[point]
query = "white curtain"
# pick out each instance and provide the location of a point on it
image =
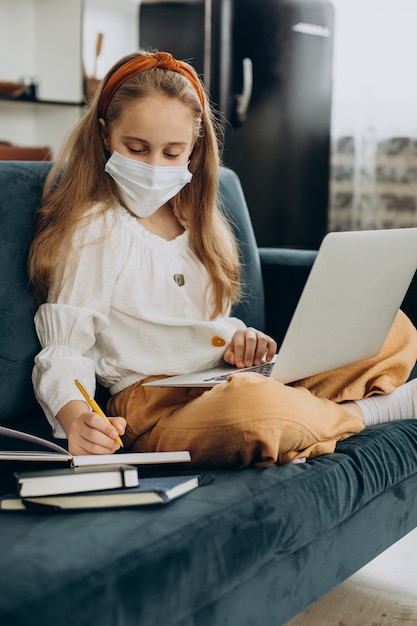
(374, 126)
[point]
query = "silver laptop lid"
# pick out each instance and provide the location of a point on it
(354, 290)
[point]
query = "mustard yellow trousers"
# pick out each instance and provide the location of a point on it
(253, 420)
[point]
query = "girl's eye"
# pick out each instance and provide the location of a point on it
(137, 150)
(171, 156)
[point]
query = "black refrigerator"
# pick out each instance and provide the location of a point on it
(267, 65)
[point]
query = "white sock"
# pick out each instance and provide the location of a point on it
(400, 404)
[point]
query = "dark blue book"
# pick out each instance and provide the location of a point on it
(151, 491)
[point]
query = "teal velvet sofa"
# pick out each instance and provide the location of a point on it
(254, 546)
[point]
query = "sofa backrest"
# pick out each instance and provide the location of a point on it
(251, 308)
(20, 191)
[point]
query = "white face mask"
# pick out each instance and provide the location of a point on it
(144, 187)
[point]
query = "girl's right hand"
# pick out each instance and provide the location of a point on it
(91, 434)
(88, 432)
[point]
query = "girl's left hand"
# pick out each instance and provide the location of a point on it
(249, 347)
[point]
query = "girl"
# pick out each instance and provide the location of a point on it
(135, 272)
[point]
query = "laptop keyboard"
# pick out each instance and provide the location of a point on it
(265, 369)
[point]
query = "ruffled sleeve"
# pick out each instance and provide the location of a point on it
(66, 334)
(67, 326)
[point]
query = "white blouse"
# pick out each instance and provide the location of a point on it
(132, 305)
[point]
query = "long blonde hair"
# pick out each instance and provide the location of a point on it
(78, 180)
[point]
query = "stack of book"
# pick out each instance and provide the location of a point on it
(84, 482)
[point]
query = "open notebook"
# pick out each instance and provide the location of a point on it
(18, 447)
(353, 292)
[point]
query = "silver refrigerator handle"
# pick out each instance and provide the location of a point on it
(243, 99)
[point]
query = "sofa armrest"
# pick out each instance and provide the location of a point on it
(409, 305)
(284, 272)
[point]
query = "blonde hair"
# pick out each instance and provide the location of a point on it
(77, 180)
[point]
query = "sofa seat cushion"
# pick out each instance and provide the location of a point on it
(163, 565)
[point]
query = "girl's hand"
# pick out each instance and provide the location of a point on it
(89, 433)
(249, 347)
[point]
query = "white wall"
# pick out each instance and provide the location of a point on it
(375, 64)
(16, 39)
(119, 24)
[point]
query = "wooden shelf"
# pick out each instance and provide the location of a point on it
(42, 102)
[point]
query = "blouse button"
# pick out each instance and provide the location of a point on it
(218, 342)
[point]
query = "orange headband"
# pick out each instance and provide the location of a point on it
(164, 60)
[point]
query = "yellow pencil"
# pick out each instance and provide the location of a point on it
(93, 404)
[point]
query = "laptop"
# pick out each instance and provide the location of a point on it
(353, 292)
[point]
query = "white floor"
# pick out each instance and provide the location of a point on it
(383, 593)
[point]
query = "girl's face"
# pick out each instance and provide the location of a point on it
(156, 130)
